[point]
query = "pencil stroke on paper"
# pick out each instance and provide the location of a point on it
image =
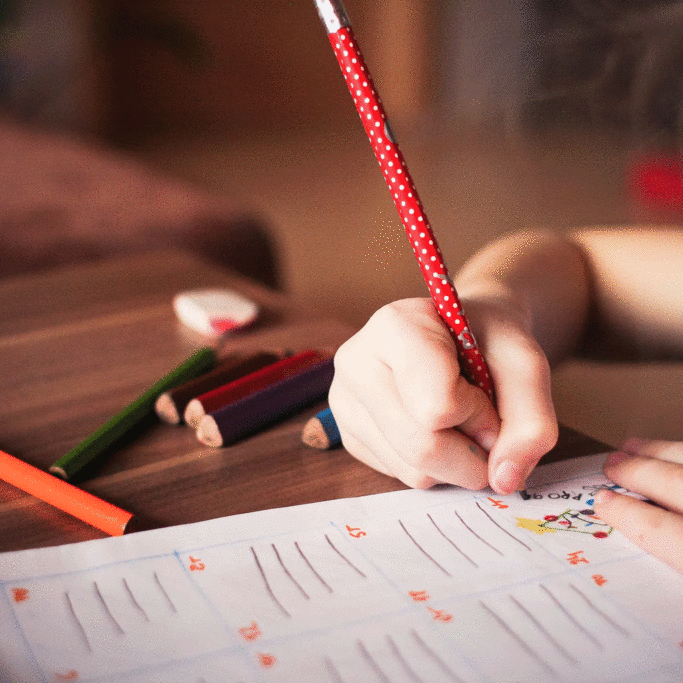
(512, 536)
(77, 623)
(618, 627)
(423, 551)
(288, 573)
(519, 640)
(343, 557)
(581, 627)
(107, 611)
(558, 646)
(372, 663)
(402, 661)
(167, 598)
(136, 604)
(450, 540)
(435, 657)
(474, 533)
(332, 671)
(310, 566)
(269, 590)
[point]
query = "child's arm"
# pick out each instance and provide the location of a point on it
(397, 391)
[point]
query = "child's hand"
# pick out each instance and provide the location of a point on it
(655, 470)
(398, 394)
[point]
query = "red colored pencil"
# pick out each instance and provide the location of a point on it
(249, 384)
(171, 405)
(403, 190)
(266, 406)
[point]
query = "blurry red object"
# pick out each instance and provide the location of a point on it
(657, 181)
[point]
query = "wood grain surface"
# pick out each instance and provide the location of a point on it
(79, 343)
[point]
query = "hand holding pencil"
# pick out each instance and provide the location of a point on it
(415, 371)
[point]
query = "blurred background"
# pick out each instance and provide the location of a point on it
(511, 114)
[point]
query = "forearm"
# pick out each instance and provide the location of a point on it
(545, 277)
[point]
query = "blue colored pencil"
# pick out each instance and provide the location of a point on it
(321, 431)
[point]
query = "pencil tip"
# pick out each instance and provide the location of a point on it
(166, 410)
(58, 471)
(194, 413)
(314, 435)
(208, 432)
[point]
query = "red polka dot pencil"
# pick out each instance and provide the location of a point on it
(403, 190)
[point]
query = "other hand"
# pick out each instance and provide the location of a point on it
(655, 470)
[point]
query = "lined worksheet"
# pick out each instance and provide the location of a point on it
(430, 586)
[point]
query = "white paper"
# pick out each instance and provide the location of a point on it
(418, 586)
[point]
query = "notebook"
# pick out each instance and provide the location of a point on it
(429, 586)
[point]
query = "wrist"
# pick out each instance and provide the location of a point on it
(496, 300)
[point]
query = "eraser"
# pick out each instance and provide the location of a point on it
(214, 311)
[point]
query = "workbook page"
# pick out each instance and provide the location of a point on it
(416, 586)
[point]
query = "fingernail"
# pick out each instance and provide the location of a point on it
(509, 476)
(617, 457)
(633, 445)
(604, 496)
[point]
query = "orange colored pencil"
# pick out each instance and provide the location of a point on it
(78, 503)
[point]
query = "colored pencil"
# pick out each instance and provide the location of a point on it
(321, 431)
(170, 406)
(273, 403)
(119, 425)
(403, 190)
(60, 494)
(239, 388)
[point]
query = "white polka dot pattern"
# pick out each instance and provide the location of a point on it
(408, 204)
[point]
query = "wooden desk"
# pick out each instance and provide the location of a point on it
(78, 344)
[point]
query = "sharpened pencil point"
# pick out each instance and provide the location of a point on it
(58, 471)
(208, 432)
(314, 435)
(194, 413)
(166, 410)
(321, 431)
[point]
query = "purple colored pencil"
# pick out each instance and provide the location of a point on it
(254, 412)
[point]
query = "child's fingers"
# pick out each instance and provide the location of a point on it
(662, 450)
(424, 362)
(654, 529)
(528, 422)
(389, 440)
(658, 480)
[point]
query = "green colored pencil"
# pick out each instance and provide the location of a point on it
(86, 451)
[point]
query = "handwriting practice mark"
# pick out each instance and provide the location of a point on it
(196, 565)
(20, 594)
(343, 557)
(440, 615)
(575, 558)
(422, 550)
(266, 660)
(450, 540)
(251, 632)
